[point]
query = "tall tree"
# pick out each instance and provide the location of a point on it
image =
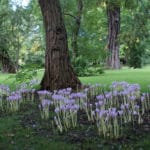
(58, 71)
(113, 15)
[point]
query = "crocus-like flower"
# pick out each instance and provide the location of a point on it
(14, 97)
(43, 92)
(100, 97)
(46, 102)
(58, 97)
(132, 98)
(120, 112)
(57, 110)
(142, 98)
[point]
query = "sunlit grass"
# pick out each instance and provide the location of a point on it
(141, 76)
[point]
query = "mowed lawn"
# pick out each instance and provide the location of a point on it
(141, 76)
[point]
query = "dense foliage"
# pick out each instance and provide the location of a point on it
(23, 34)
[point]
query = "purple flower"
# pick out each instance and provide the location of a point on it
(24, 90)
(14, 97)
(74, 107)
(108, 95)
(78, 95)
(135, 112)
(45, 103)
(69, 101)
(57, 110)
(93, 113)
(120, 112)
(136, 106)
(90, 105)
(100, 97)
(86, 90)
(101, 113)
(4, 89)
(126, 106)
(142, 98)
(43, 92)
(96, 104)
(58, 97)
(134, 87)
(132, 98)
(115, 93)
(112, 113)
(97, 110)
(69, 89)
(122, 106)
(100, 103)
(62, 107)
(125, 92)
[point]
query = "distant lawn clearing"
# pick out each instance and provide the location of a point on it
(141, 76)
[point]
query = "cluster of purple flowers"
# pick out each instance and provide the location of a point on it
(45, 103)
(44, 108)
(44, 94)
(14, 97)
(64, 92)
(13, 101)
(4, 90)
(110, 109)
(120, 105)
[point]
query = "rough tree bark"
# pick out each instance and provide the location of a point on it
(113, 14)
(58, 71)
(6, 63)
(76, 29)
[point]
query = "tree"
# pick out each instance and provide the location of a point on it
(58, 71)
(7, 65)
(113, 15)
(135, 33)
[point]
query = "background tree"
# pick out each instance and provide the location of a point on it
(6, 62)
(113, 15)
(135, 35)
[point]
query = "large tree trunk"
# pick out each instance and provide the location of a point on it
(58, 71)
(6, 63)
(113, 14)
(77, 28)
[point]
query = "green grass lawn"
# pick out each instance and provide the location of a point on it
(141, 76)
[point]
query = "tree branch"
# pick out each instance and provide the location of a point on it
(68, 14)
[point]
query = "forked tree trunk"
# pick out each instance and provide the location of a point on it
(76, 28)
(58, 71)
(6, 63)
(113, 14)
